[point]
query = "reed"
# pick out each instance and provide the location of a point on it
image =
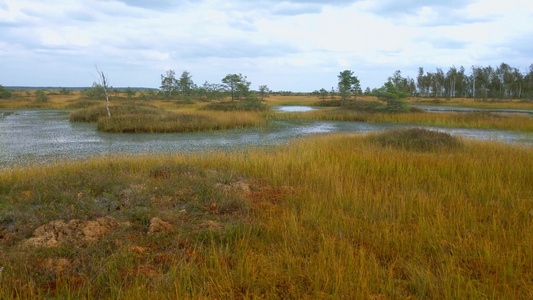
(336, 216)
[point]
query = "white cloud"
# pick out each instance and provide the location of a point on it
(286, 44)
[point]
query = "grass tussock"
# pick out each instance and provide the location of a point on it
(417, 139)
(335, 216)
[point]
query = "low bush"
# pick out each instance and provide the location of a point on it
(417, 139)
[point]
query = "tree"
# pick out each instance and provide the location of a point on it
(185, 83)
(347, 84)
(4, 93)
(169, 83)
(263, 91)
(95, 92)
(40, 96)
(394, 97)
(103, 83)
(64, 91)
(237, 85)
(323, 94)
(130, 93)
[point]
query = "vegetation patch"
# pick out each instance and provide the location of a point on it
(81, 103)
(84, 226)
(156, 123)
(4, 93)
(417, 139)
(245, 105)
(330, 216)
(92, 114)
(134, 118)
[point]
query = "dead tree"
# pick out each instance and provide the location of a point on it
(103, 83)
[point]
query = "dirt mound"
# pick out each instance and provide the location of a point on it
(57, 232)
(157, 225)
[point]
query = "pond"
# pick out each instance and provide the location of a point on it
(37, 136)
(296, 108)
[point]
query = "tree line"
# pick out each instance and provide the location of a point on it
(482, 83)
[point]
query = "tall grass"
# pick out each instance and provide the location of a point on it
(337, 216)
(148, 118)
(449, 120)
(179, 122)
(469, 102)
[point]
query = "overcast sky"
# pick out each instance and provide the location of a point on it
(298, 45)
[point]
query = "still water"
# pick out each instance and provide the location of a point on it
(36, 136)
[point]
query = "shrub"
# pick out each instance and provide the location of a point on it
(4, 93)
(40, 96)
(417, 139)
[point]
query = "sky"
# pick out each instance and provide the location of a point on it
(298, 45)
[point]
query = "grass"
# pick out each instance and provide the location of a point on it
(336, 216)
(147, 118)
(469, 102)
(482, 120)
(243, 105)
(417, 139)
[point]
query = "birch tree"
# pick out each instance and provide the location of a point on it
(103, 83)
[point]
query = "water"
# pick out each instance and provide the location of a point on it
(37, 136)
(295, 108)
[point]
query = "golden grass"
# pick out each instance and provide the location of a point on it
(515, 122)
(26, 99)
(336, 216)
(469, 102)
(180, 122)
(139, 117)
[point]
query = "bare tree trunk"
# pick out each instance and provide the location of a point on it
(103, 82)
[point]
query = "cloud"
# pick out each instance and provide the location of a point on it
(152, 4)
(442, 42)
(430, 14)
(395, 8)
(286, 8)
(293, 9)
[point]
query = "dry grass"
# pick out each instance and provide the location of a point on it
(179, 122)
(26, 99)
(469, 102)
(337, 216)
(135, 117)
(483, 120)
